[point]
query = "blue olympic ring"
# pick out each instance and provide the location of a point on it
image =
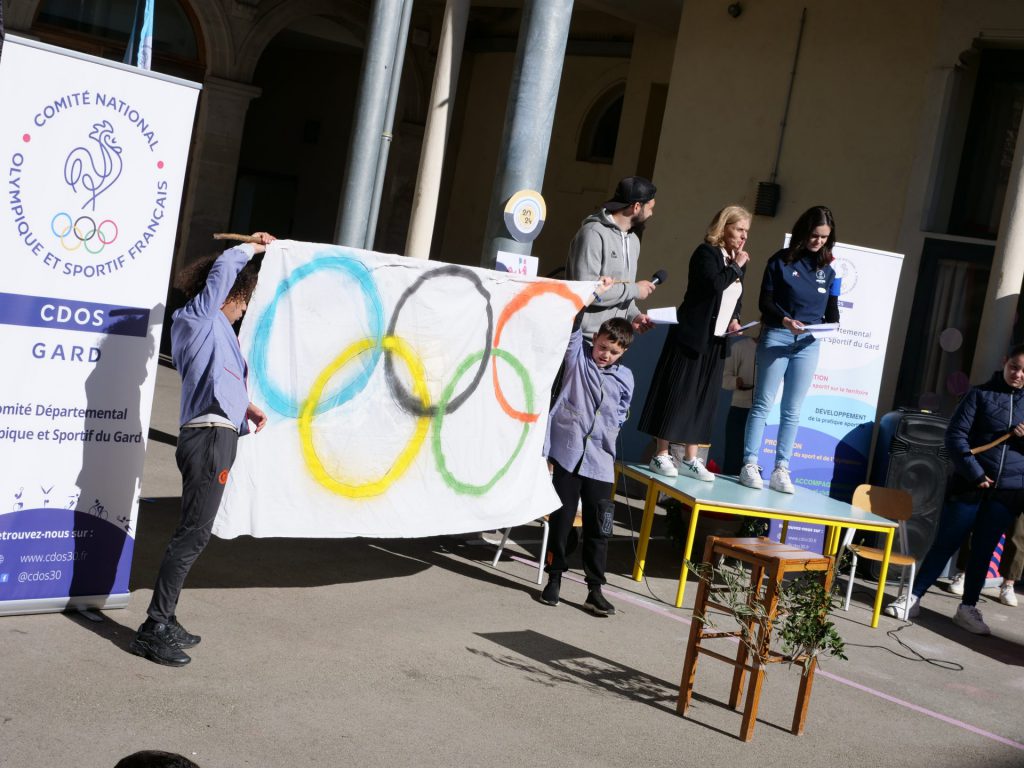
(285, 403)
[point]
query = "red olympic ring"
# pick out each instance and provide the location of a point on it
(99, 231)
(521, 299)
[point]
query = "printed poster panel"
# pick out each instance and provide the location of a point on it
(94, 159)
(413, 405)
(837, 419)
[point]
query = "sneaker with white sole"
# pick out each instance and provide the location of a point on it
(956, 586)
(750, 476)
(695, 468)
(780, 481)
(898, 607)
(663, 465)
(969, 617)
(1007, 595)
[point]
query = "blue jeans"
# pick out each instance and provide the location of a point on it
(985, 519)
(789, 360)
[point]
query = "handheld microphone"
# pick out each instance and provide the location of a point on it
(659, 277)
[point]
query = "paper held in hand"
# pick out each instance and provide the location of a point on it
(821, 329)
(742, 328)
(663, 315)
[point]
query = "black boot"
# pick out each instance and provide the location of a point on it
(596, 603)
(550, 594)
(155, 642)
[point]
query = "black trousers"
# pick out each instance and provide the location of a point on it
(571, 489)
(204, 457)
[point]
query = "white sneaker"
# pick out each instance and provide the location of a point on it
(898, 607)
(969, 617)
(1007, 595)
(750, 476)
(780, 481)
(956, 586)
(663, 465)
(697, 470)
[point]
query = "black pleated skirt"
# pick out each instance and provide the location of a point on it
(681, 402)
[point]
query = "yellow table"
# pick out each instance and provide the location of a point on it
(727, 496)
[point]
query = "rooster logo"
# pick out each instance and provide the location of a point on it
(94, 169)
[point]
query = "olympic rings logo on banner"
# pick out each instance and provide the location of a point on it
(84, 230)
(416, 403)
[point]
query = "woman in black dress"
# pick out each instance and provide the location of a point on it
(680, 406)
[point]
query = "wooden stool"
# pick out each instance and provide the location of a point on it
(775, 560)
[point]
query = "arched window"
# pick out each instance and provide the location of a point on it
(102, 28)
(600, 129)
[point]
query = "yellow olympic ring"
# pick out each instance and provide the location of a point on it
(316, 467)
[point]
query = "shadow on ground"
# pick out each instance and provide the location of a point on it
(559, 663)
(247, 562)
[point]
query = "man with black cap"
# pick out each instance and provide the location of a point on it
(608, 244)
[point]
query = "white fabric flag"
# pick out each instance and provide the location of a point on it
(405, 397)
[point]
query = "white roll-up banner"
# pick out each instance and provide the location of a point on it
(94, 156)
(837, 420)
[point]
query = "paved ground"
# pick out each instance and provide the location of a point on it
(418, 653)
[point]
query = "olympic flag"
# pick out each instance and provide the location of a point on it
(94, 160)
(405, 397)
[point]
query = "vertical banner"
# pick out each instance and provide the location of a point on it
(837, 420)
(94, 158)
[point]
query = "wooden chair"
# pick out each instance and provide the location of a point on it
(892, 504)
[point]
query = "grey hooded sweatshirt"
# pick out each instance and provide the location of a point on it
(600, 248)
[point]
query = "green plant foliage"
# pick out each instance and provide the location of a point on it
(752, 527)
(806, 629)
(802, 629)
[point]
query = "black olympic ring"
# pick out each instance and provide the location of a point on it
(406, 400)
(92, 233)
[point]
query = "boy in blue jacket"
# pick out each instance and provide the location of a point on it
(580, 444)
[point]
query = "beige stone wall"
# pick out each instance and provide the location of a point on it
(851, 129)
(650, 64)
(870, 105)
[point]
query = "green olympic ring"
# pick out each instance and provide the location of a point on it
(435, 442)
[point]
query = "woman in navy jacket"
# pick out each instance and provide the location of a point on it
(796, 291)
(985, 493)
(680, 405)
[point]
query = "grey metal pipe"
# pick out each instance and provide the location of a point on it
(529, 115)
(371, 105)
(389, 121)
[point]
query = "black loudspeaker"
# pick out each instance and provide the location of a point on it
(910, 455)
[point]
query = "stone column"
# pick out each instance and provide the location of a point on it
(1004, 282)
(213, 165)
(435, 135)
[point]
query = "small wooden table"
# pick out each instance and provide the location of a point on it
(726, 495)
